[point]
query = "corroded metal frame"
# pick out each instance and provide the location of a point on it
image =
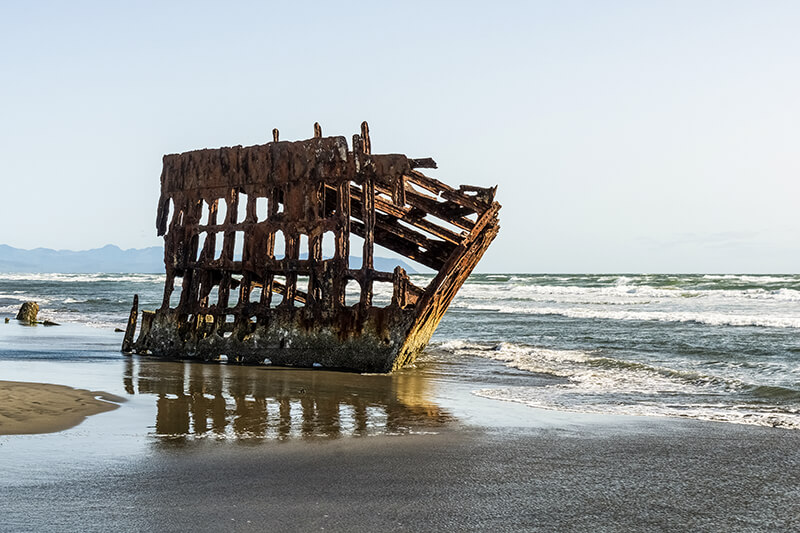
(312, 189)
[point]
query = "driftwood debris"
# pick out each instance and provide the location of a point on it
(224, 214)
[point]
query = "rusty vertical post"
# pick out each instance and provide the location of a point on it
(244, 289)
(368, 216)
(368, 205)
(343, 247)
(266, 286)
(127, 341)
(275, 135)
(230, 233)
(224, 293)
(315, 243)
(292, 251)
(342, 252)
(272, 211)
(210, 247)
(186, 289)
(315, 284)
(196, 300)
(367, 144)
(399, 286)
(169, 286)
(250, 213)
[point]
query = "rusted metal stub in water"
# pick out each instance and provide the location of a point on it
(252, 299)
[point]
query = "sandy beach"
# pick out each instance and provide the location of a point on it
(27, 408)
(654, 476)
(215, 447)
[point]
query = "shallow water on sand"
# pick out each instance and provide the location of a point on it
(710, 347)
(217, 447)
(174, 402)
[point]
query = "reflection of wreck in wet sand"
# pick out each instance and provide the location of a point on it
(201, 400)
(244, 248)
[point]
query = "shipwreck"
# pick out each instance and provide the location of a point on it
(248, 277)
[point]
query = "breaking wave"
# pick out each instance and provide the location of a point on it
(593, 383)
(714, 319)
(84, 278)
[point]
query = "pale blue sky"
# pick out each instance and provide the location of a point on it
(624, 136)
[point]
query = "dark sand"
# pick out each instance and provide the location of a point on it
(656, 476)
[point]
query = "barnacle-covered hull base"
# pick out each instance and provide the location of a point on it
(256, 284)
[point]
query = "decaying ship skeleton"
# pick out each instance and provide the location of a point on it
(252, 301)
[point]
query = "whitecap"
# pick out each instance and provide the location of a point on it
(544, 398)
(710, 318)
(596, 384)
(77, 278)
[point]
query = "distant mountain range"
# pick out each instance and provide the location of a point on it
(113, 259)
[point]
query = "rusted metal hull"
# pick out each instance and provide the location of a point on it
(302, 193)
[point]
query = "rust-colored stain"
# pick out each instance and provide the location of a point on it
(300, 194)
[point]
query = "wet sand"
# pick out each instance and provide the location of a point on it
(663, 476)
(206, 447)
(27, 408)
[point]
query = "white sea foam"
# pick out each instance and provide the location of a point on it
(710, 318)
(675, 299)
(14, 296)
(617, 293)
(751, 278)
(26, 298)
(535, 397)
(75, 278)
(596, 384)
(789, 295)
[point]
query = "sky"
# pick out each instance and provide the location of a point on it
(623, 136)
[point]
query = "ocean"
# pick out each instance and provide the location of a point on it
(710, 347)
